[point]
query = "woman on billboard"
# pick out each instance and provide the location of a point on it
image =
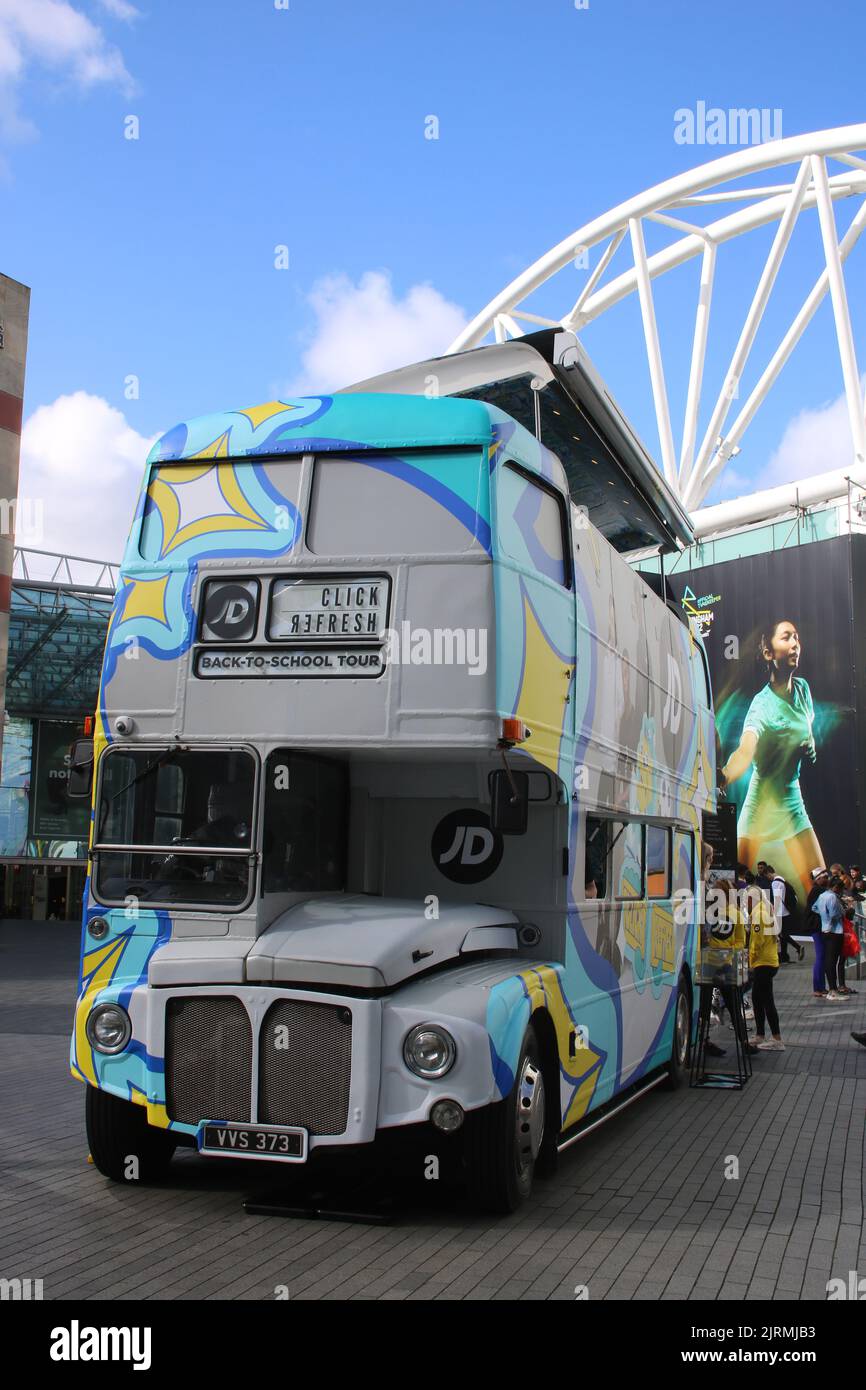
(777, 732)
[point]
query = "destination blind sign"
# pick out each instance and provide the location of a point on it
(219, 662)
(328, 627)
(307, 610)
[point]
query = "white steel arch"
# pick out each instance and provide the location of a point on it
(678, 204)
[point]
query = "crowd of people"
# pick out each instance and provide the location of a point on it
(759, 912)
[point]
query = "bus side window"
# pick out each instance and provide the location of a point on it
(628, 861)
(597, 850)
(684, 874)
(304, 841)
(658, 875)
(533, 528)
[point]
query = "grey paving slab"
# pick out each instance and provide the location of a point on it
(641, 1209)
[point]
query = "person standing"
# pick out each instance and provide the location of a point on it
(829, 908)
(786, 908)
(744, 899)
(728, 935)
(820, 879)
(850, 941)
(764, 963)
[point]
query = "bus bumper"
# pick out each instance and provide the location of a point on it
(255, 1055)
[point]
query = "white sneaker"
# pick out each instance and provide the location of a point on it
(771, 1045)
(835, 998)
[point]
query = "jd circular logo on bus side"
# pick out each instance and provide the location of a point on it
(229, 612)
(465, 848)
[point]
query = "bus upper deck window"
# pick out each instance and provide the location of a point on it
(268, 488)
(420, 502)
(533, 529)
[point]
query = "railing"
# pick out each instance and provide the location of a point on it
(69, 571)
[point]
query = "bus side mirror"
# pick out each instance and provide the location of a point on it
(509, 802)
(80, 781)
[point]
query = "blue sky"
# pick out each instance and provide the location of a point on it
(304, 127)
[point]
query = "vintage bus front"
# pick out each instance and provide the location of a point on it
(298, 912)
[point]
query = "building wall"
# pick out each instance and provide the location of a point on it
(14, 316)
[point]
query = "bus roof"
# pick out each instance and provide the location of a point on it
(547, 382)
(320, 424)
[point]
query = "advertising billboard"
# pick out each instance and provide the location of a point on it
(53, 816)
(778, 628)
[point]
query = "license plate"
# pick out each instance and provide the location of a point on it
(253, 1141)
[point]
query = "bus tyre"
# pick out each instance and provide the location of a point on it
(123, 1145)
(678, 1065)
(503, 1140)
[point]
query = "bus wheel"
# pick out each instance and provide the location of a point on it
(123, 1145)
(678, 1065)
(503, 1140)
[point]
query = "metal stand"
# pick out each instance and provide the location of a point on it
(363, 1202)
(728, 978)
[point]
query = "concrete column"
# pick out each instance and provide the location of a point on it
(14, 316)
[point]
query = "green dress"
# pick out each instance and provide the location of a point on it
(773, 808)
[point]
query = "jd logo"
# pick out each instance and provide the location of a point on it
(673, 710)
(464, 847)
(229, 612)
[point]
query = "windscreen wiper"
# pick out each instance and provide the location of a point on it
(155, 763)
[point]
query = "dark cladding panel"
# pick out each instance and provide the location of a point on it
(858, 592)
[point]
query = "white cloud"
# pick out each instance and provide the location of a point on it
(83, 461)
(121, 9)
(813, 442)
(55, 35)
(364, 329)
(816, 440)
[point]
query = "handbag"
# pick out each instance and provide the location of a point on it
(850, 940)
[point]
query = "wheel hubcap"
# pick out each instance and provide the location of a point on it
(682, 1028)
(530, 1114)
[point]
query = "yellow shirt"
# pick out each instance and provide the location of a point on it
(764, 939)
(729, 932)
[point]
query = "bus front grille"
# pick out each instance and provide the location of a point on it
(305, 1066)
(208, 1059)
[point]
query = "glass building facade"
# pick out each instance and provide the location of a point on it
(57, 630)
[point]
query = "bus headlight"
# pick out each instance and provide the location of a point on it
(429, 1051)
(108, 1028)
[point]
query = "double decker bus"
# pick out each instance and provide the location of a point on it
(398, 775)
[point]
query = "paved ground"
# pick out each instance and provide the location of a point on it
(640, 1209)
